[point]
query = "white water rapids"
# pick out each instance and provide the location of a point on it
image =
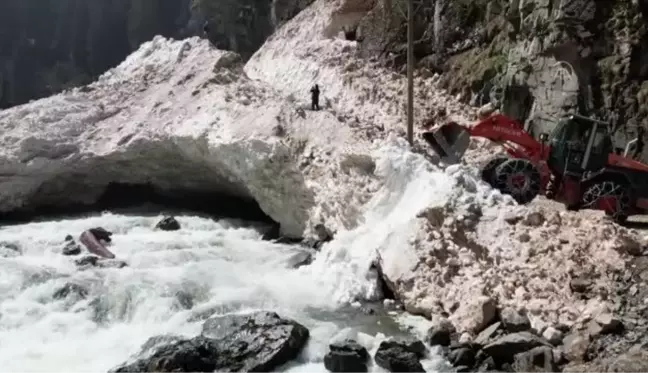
(171, 278)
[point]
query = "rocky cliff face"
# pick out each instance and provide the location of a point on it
(537, 58)
(46, 47)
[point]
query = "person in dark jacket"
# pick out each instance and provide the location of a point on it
(639, 145)
(315, 92)
(206, 29)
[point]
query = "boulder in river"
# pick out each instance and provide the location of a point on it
(9, 250)
(440, 334)
(168, 223)
(397, 357)
(70, 289)
(70, 247)
(169, 354)
(95, 261)
(300, 259)
(347, 356)
(261, 342)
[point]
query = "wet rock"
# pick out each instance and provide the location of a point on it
(396, 357)
(258, 342)
(553, 335)
(514, 321)
(538, 359)
(503, 349)
(87, 261)
(300, 259)
(158, 341)
(462, 356)
(168, 223)
(347, 356)
(111, 263)
(70, 289)
(101, 234)
(575, 346)
(440, 334)
(410, 344)
(198, 354)
(95, 261)
(261, 341)
(70, 247)
(9, 250)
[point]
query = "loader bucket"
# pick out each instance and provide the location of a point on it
(450, 141)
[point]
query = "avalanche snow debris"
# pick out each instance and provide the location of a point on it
(445, 241)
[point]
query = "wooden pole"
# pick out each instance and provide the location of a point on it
(410, 72)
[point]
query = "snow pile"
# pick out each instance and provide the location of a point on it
(178, 114)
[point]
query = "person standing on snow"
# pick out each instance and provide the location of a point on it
(315, 92)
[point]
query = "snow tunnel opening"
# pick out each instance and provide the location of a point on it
(146, 198)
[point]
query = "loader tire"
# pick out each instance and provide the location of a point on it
(610, 196)
(488, 171)
(518, 178)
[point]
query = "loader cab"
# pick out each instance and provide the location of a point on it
(579, 145)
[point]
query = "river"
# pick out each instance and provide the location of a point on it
(172, 279)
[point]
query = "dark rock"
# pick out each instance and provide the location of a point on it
(440, 334)
(101, 233)
(503, 349)
(487, 334)
(70, 289)
(86, 261)
(347, 356)
(198, 354)
(580, 285)
(71, 248)
(168, 223)
(261, 341)
(409, 343)
(300, 259)
(462, 356)
(514, 321)
(95, 261)
(538, 359)
(396, 357)
(609, 324)
(9, 250)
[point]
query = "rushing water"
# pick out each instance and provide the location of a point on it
(171, 280)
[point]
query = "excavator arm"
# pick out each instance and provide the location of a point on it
(451, 140)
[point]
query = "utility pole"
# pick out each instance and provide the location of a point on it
(410, 72)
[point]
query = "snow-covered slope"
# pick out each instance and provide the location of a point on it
(180, 114)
